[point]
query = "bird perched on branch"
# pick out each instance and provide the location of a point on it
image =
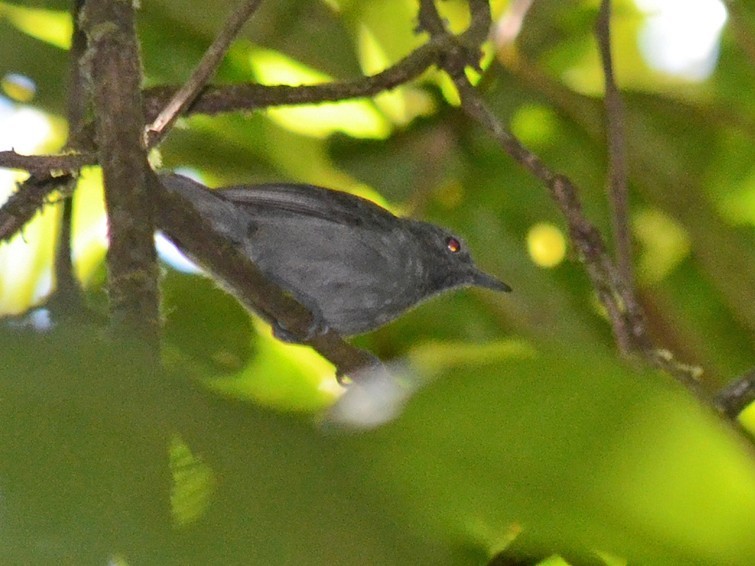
(352, 263)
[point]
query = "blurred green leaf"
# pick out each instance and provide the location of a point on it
(578, 451)
(204, 324)
(574, 452)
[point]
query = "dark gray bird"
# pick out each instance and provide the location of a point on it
(352, 263)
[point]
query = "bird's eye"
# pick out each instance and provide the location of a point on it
(453, 245)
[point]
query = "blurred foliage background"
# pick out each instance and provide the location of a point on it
(520, 428)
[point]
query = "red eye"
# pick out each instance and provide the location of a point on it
(453, 245)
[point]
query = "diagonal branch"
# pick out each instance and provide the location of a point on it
(737, 395)
(29, 198)
(625, 314)
(201, 74)
(251, 96)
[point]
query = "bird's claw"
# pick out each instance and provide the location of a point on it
(316, 328)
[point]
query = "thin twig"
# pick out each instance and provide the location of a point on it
(44, 164)
(67, 296)
(737, 395)
(77, 98)
(617, 186)
(30, 197)
(201, 74)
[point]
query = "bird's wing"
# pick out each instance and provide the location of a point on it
(308, 200)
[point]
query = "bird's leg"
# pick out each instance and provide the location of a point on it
(317, 326)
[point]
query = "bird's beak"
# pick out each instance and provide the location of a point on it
(482, 279)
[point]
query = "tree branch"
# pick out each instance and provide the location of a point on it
(737, 395)
(114, 72)
(211, 60)
(617, 186)
(233, 98)
(67, 298)
(30, 196)
(44, 164)
(48, 173)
